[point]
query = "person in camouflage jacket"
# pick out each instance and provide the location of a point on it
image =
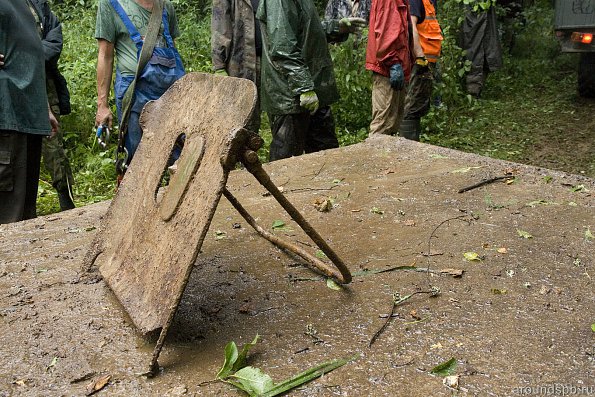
(236, 44)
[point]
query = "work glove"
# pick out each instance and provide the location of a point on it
(397, 77)
(309, 101)
(351, 25)
(221, 72)
(422, 65)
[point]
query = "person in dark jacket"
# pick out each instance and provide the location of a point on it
(52, 149)
(24, 112)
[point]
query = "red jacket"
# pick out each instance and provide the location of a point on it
(388, 37)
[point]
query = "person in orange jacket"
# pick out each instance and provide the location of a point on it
(427, 42)
(388, 56)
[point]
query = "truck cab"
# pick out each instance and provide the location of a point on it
(574, 25)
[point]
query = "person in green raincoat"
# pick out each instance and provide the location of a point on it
(297, 81)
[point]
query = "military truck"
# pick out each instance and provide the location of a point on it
(574, 25)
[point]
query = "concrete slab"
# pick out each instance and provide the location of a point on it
(521, 317)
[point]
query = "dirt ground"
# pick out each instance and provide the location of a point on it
(518, 318)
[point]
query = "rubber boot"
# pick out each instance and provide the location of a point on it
(410, 129)
(65, 200)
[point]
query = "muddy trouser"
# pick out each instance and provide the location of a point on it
(20, 157)
(56, 162)
(417, 103)
(294, 134)
(387, 106)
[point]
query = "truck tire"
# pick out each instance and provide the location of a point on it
(586, 75)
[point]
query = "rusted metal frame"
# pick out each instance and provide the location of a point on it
(316, 263)
(252, 164)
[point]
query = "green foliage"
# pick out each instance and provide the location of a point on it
(353, 112)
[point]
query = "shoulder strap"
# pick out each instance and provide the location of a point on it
(132, 31)
(145, 54)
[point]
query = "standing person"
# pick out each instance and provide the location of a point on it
(116, 33)
(481, 43)
(52, 150)
(338, 9)
(388, 56)
(236, 45)
(298, 82)
(24, 114)
(427, 42)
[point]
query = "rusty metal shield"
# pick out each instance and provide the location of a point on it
(149, 241)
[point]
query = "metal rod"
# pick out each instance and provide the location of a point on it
(309, 258)
(255, 168)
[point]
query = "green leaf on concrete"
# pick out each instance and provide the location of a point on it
(524, 234)
(446, 368)
(547, 179)
(231, 356)
(53, 363)
(308, 375)
(320, 255)
(593, 327)
(580, 188)
(472, 256)
(572, 204)
(258, 384)
(589, 234)
(333, 285)
(463, 170)
(219, 235)
(498, 291)
(278, 224)
(241, 360)
(253, 381)
(376, 210)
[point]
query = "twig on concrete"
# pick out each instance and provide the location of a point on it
(397, 300)
(485, 182)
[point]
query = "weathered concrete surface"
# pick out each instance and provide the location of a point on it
(537, 333)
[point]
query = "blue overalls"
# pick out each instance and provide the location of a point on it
(161, 71)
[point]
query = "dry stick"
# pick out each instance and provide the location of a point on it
(397, 300)
(485, 182)
(310, 259)
(432, 235)
(252, 164)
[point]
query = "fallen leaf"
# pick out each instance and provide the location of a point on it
(593, 327)
(333, 285)
(502, 250)
(463, 170)
(413, 314)
(324, 205)
(319, 254)
(472, 256)
(438, 156)
(580, 188)
(409, 222)
(219, 235)
(278, 224)
(52, 363)
(22, 382)
(388, 171)
(98, 384)
(524, 234)
(376, 210)
(588, 234)
(446, 368)
(572, 204)
(356, 210)
(497, 291)
(451, 381)
(436, 346)
(453, 272)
